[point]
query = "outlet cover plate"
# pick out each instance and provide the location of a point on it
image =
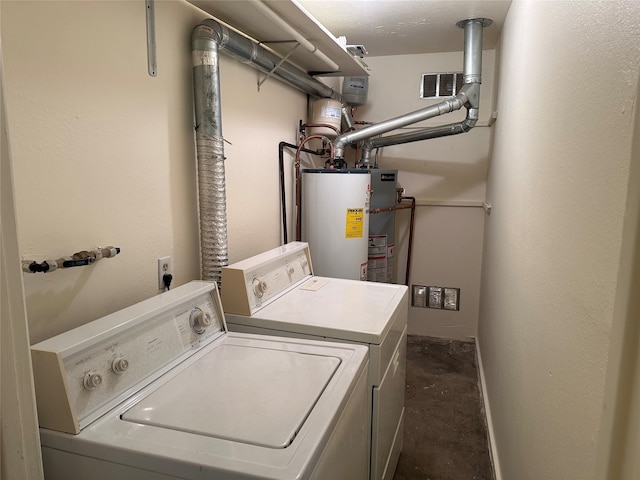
(164, 266)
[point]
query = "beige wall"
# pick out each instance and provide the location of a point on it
(450, 171)
(619, 440)
(104, 154)
(558, 186)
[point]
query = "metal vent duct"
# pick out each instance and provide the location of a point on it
(469, 97)
(210, 37)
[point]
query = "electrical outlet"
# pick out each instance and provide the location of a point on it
(164, 266)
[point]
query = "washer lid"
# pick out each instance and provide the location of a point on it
(251, 395)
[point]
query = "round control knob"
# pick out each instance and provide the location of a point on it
(92, 380)
(290, 270)
(199, 320)
(259, 287)
(119, 365)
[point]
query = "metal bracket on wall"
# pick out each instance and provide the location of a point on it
(260, 82)
(151, 37)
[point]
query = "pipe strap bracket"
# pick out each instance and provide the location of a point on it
(261, 82)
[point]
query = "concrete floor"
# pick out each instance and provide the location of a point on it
(445, 434)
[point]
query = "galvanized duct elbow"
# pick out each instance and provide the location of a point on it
(468, 97)
(423, 134)
(447, 106)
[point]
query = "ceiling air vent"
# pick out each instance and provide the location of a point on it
(436, 85)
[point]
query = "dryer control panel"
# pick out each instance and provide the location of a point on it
(250, 284)
(80, 374)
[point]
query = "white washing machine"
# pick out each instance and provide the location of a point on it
(276, 293)
(160, 390)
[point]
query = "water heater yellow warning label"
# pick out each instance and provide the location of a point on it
(355, 222)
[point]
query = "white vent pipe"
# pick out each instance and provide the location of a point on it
(469, 97)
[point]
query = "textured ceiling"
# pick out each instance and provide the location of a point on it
(401, 27)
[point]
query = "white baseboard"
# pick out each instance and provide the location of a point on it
(493, 449)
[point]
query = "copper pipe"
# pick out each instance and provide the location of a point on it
(411, 222)
(324, 125)
(390, 209)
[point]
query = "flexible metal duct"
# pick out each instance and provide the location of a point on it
(212, 204)
(209, 38)
(469, 97)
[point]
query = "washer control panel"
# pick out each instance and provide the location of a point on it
(255, 282)
(82, 373)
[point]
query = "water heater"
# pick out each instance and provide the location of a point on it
(335, 221)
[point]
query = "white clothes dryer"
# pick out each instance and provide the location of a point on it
(276, 293)
(161, 391)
